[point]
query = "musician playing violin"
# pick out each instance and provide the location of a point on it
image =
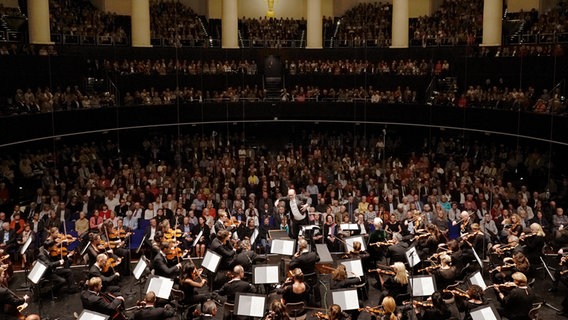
(57, 276)
(8, 299)
(340, 280)
(474, 299)
(190, 280)
(516, 303)
(160, 263)
(446, 274)
(95, 300)
(115, 240)
(394, 285)
(428, 243)
(517, 263)
(104, 269)
(151, 312)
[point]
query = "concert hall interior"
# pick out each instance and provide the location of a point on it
(283, 159)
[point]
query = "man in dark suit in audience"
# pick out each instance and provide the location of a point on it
(94, 301)
(151, 312)
(160, 264)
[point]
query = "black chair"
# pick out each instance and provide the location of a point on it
(400, 298)
(296, 310)
(228, 311)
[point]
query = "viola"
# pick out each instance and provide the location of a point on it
(110, 264)
(174, 253)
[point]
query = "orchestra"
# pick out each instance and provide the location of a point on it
(177, 252)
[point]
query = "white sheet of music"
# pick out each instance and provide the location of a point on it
(478, 259)
(265, 274)
(412, 256)
(477, 279)
(211, 261)
(349, 242)
(92, 315)
(283, 246)
(250, 305)
(346, 299)
(484, 313)
(199, 235)
(139, 269)
(422, 286)
(353, 267)
(37, 271)
(253, 236)
(161, 286)
(26, 245)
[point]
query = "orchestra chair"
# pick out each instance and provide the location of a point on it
(362, 291)
(182, 310)
(40, 288)
(296, 310)
(400, 298)
(533, 313)
(228, 311)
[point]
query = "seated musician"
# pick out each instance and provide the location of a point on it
(475, 240)
(516, 303)
(533, 243)
(446, 274)
(379, 235)
(7, 238)
(277, 311)
(222, 246)
(475, 299)
(306, 261)
(224, 223)
(428, 242)
(10, 301)
(438, 310)
(335, 313)
(160, 263)
(245, 257)
(464, 222)
(95, 300)
(397, 251)
(55, 258)
(149, 238)
(394, 285)
(295, 289)
(107, 274)
(517, 263)
(190, 280)
(209, 311)
(116, 237)
(151, 312)
(234, 286)
(357, 253)
(99, 246)
(245, 230)
(339, 279)
(389, 308)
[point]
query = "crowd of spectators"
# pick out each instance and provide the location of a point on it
(373, 95)
(456, 22)
(499, 96)
(184, 67)
(364, 24)
(409, 67)
(81, 18)
(27, 50)
(175, 22)
(271, 31)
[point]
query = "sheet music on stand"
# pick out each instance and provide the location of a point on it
(477, 258)
(278, 234)
(349, 242)
(283, 247)
(250, 305)
(37, 272)
(349, 226)
(211, 261)
(253, 236)
(486, 312)
(85, 248)
(161, 286)
(26, 245)
(199, 235)
(265, 274)
(423, 285)
(477, 279)
(412, 257)
(347, 299)
(92, 315)
(139, 269)
(353, 267)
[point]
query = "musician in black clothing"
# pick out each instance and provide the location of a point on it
(397, 251)
(245, 257)
(222, 246)
(58, 277)
(306, 260)
(533, 243)
(9, 301)
(109, 278)
(151, 312)
(93, 299)
(190, 280)
(236, 285)
(439, 310)
(160, 264)
(339, 279)
(517, 303)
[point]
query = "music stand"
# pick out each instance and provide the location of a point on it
(211, 261)
(412, 257)
(92, 315)
(265, 274)
(278, 234)
(347, 299)
(353, 267)
(138, 272)
(283, 247)
(477, 278)
(141, 244)
(35, 275)
(253, 238)
(422, 286)
(486, 312)
(161, 286)
(25, 286)
(477, 258)
(349, 242)
(250, 305)
(199, 235)
(323, 252)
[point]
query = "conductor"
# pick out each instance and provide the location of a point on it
(296, 206)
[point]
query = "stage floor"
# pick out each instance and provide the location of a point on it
(70, 303)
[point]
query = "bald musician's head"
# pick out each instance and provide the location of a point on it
(150, 298)
(302, 244)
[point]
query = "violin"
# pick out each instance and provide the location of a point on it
(380, 243)
(506, 285)
(110, 264)
(423, 304)
(232, 222)
(59, 249)
(174, 253)
(383, 271)
(457, 293)
(503, 267)
(420, 236)
(376, 310)
(430, 268)
(321, 315)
